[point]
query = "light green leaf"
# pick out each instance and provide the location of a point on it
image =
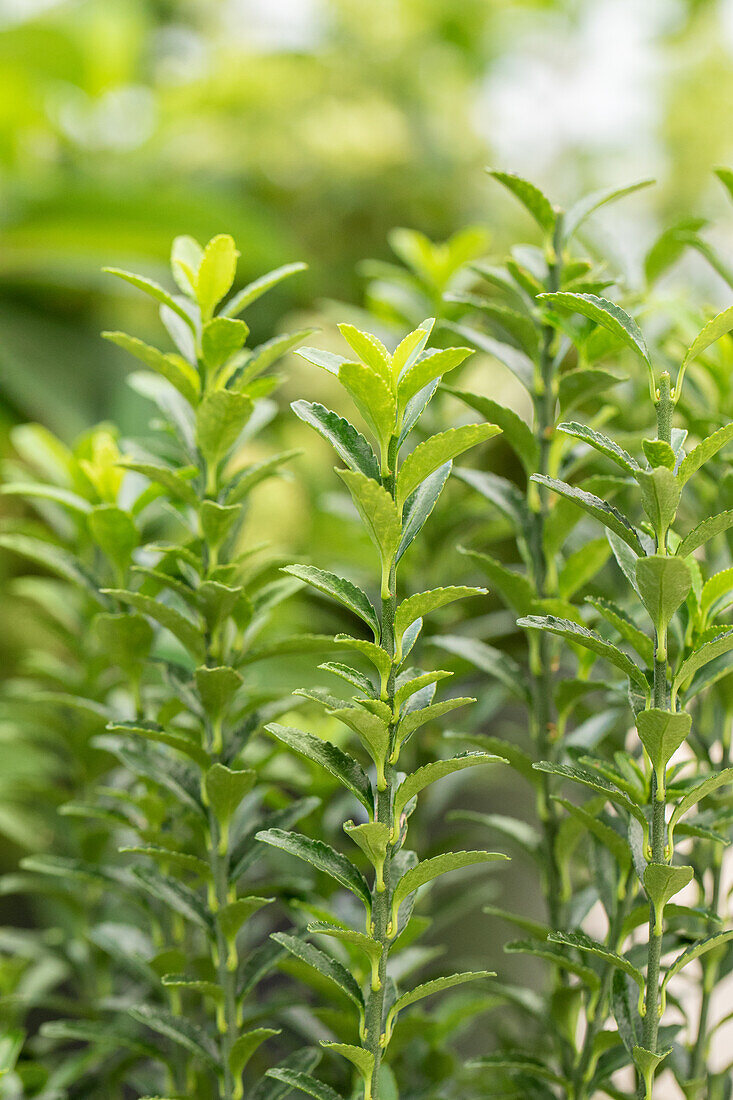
(430, 869)
(380, 517)
(347, 770)
(580, 635)
(154, 290)
(114, 532)
(421, 778)
(708, 529)
(186, 253)
(531, 198)
(222, 338)
(369, 349)
(662, 882)
(373, 398)
(350, 595)
(417, 718)
(188, 634)
(244, 1047)
(173, 368)
(322, 857)
(431, 365)
(600, 509)
(53, 493)
(588, 205)
(421, 604)
(256, 289)
(660, 496)
(715, 328)
(408, 350)
(604, 313)
(419, 506)
(515, 588)
(226, 788)
(373, 732)
(602, 444)
(663, 583)
(216, 273)
(435, 451)
(700, 454)
(220, 418)
(661, 733)
(177, 485)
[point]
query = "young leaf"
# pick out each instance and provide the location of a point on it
(256, 289)
(220, 418)
(661, 733)
(531, 198)
(586, 206)
(350, 595)
(430, 366)
(154, 290)
(663, 583)
(662, 882)
(692, 462)
(226, 788)
(435, 451)
(216, 273)
(715, 328)
(373, 397)
(380, 517)
(174, 369)
(369, 349)
(422, 603)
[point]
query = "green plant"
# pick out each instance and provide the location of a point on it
(394, 496)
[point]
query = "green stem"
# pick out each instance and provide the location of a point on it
(226, 976)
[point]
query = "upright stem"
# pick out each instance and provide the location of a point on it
(382, 899)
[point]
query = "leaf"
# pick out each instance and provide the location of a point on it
(429, 773)
(324, 964)
(662, 882)
(216, 273)
(694, 951)
(427, 989)
(486, 658)
(581, 566)
(601, 831)
(718, 326)
(217, 686)
(408, 349)
(150, 731)
(414, 719)
(661, 733)
(421, 604)
(522, 1064)
(362, 1059)
(348, 443)
(226, 788)
(596, 783)
(347, 770)
(516, 361)
(244, 1047)
(419, 506)
(369, 349)
(174, 895)
(604, 313)
(705, 450)
(588, 205)
(222, 338)
(430, 366)
(695, 795)
(114, 532)
(188, 634)
(516, 431)
(600, 509)
(373, 398)
(515, 588)
(660, 496)
(435, 451)
(154, 290)
(531, 198)
(580, 635)
(311, 1086)
(322, 857)
(170, 479)
(602, 444)
(350, 595)
(256, 289)
(180, 1031)
(53, 493)
(708, 529)
(581, 942)
(628, 630)
(50, 557)
(723, 643)
(430, 869)
(379, 515)
(663, 583)
(220, 418)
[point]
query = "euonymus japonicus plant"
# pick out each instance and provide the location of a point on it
(179, 605)
(645, 803)
(394, 494)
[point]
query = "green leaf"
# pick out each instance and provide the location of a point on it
(647, 1062)
(150, 731)
(663, 583)
(708, 529)
(369, 349)
(180, 1031)
(114, 532)
(53, 493)
(217, 686)
(373, 732)
(362, 1059)
(216, 273)
(602, 444)
(220, 418)
(628, 630)
(373, 839)
(660, 496)
(256, 289)
(322, 857)
(531, 198)
(486, 658)
(379, 515)
(347, 770)
(580, 635)
(373, 398)
(174, 895)
(311, 1086)
(348, 443)
(661, 733)
(596, 783)
(419, 506)
(11, 1044)
(430, 869)
(222, 338)
(176, 370)
(516, 361)
(325, 964)
(178, 486)
(421, 778)
(695, 795)
(521, 1064)
(186, 253)
(430, 365)
(188, 634)
(417, 718)
(662, 882)
(226, 788)
(601, 831)
(581, 566)
(715, 328)
(588, 205)
(600, 509)
(515, 588)
(234, 914)
(421, 604)
(154, 290)
(244, 1047)
(581, 942)
(694, 951)
(723, 643)
(705, 450)
(350, 595)
(604, 313)
(371, 948)
(427, 989)
(516, 431)
(435, 451)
